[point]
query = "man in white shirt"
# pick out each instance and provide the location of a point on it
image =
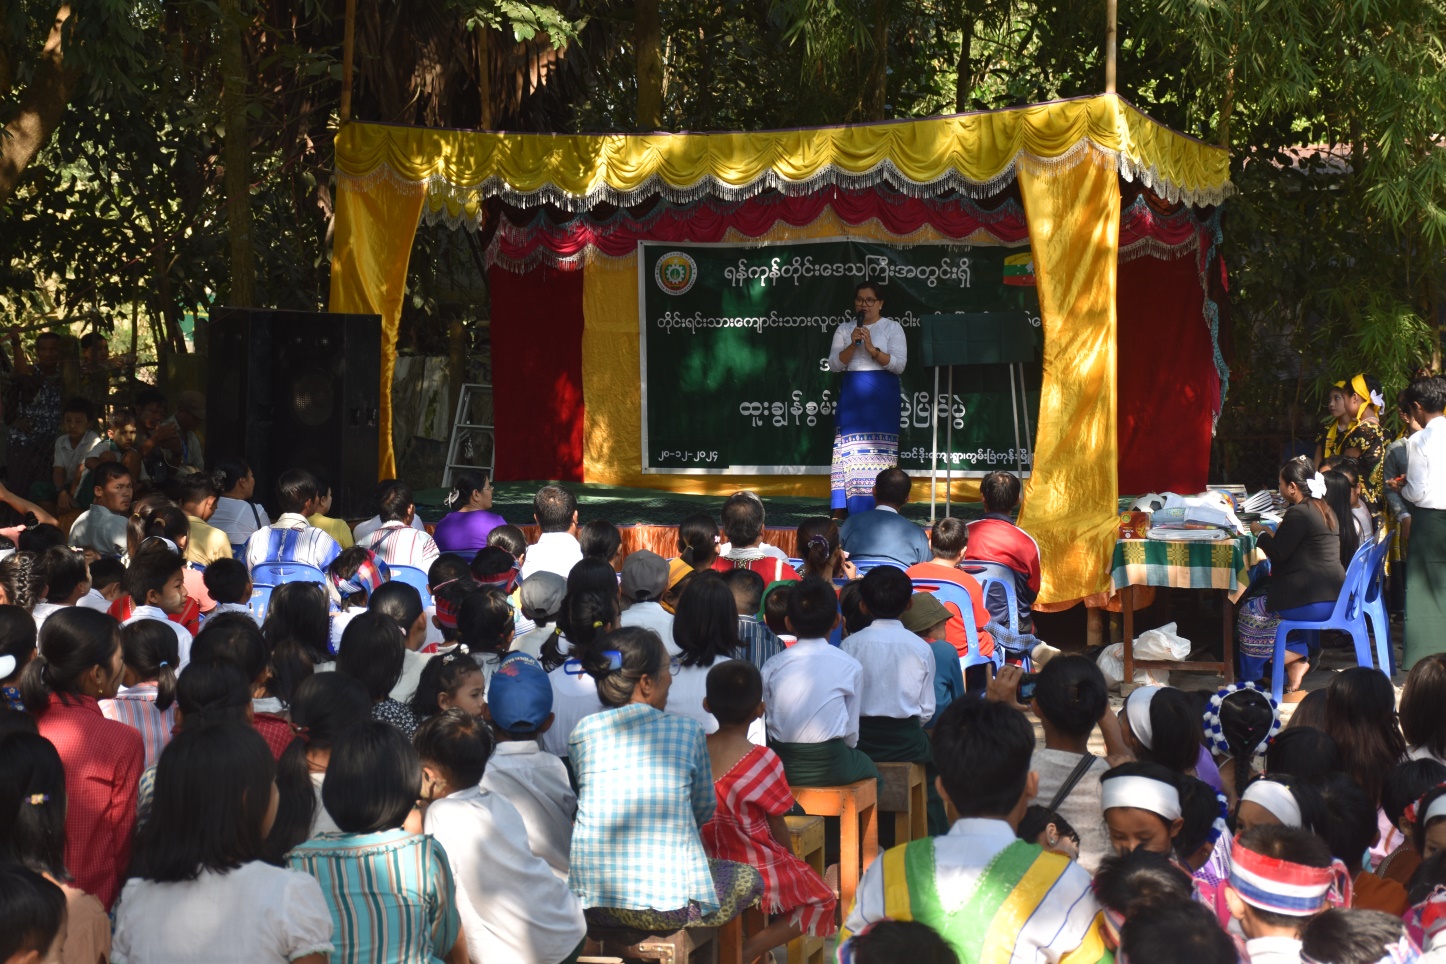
(743, 518)
(235, 514)
(645, 579)
(102, 527)
(898, 683)
(291, 538)
(513, 906)
(1041, 906)
(811, 690)
(396, 542)
(361, 530)
(557, 549)
(1425, 492)
(519, 704)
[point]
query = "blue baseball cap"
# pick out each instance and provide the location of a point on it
(520, 695)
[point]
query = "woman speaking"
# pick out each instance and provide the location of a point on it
(869, 349)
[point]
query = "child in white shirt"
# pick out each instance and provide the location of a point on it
(75, 450)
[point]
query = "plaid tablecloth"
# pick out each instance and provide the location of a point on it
(1184, 565)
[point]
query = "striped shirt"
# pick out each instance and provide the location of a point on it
(398, 544)
(136, 706)
(759, 642)
(291, 539)
(645, 786)
(391, 895)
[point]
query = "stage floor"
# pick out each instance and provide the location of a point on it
(628, 506)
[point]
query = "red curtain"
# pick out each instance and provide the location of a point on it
(537, 373)
(1167, 380)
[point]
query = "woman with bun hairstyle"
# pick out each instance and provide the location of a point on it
(645, 787)
(1305, 576)
(80, 663)
(470, 519)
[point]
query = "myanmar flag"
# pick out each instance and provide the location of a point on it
(1019, 269)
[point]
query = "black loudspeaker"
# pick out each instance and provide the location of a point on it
(297, 389)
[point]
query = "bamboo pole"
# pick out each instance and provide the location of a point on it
(348, 49)
(1111, 29)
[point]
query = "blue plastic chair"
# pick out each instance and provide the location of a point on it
(1374, 604)
(260, 600)
(797, 564)
(414, 577)
(276, 572)
(991, 575)
(864, 563)
(948, 592)
(1347, 617)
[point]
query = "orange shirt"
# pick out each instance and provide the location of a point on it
(954, 632)
(1370, 892)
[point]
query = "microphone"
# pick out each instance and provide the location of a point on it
(858, 325)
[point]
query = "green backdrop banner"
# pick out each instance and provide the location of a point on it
(735, 341)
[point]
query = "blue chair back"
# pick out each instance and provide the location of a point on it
(948, 592)
(865, 563)
(414, 577)
(1347, 616)
(238, 551)
(1374, 602)
(999, 590)
(275, 573)
(260, 599)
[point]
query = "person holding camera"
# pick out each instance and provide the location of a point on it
(1069, 697)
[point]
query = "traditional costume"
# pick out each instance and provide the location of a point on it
(866, 436)
(1364, 435)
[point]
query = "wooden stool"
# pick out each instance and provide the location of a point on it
(691, 945)
(805, 839)
(856, 806)
(902, 792)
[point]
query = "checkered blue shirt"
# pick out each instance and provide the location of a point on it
(645, 787)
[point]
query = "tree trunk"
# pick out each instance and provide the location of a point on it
(40, 109)
(877, 86)
(964, 77)
(236, 179)
(648, 50)
(484, 76)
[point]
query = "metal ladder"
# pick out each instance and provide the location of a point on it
(463, 433)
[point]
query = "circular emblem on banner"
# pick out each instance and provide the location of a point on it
(675, 273)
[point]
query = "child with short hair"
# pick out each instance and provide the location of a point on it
(748, 825)
(1405, 784)
(146, 699)
(527, 914)
(75, 450)
(1279, 878)
(1141, 804)
(927, 618)
(351, 579)
(1343, 936)
(812, 693)
(1048, 829)
(775, 611)
(890, 941)
(156, 583)
(1178, 930)
(1131, 883)
(1040, 904)
(32, 917)
(450, 681)
(759, 641)
(390, 891)
(229, 583)
(65, 577)
(107, 584)
(1349, 829)
(519, 705)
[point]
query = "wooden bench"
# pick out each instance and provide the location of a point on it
(805, 838)
(904, 793)
(856, 806)
(691, 945)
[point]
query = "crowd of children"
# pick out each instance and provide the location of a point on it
(557, 744)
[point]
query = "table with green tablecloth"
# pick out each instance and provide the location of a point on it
(1222, 565)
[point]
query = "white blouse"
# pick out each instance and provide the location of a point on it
(255, 914)
(888, 337)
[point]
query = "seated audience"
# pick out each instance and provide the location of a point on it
(995, 538)
(470, 519)
(758, 641)
(17, 649)
(698, 541)
(1281, 877)
(371, 653)
(156, 583)
(198, 494)
(1422, 722)
(32, 917)
(336, 528)
(811, 690)
(1239, 723)
(1349, 830)
(927, 618)
(396, 542)
(601, 540)
(1141, 804)
(351, 579)
(448, 682)
(200, 887)
(637, 859)
(77, 449)
(983, 750)
(402, 604)
(65, 578)
(1180, 927)
(554, 509)
(146, 699)
(106, 584)
(1163, 725)
(540, 601)
(1136, 884)
(644, 580)
(1202, 813)
(1406, 784)
(527, 914)
(745, 549)
(236, 639)
(881, 533)
(887, 941)
(510, 538)
(1302, 751)
(752, 798)
(586, 618)
(821, 551)
(390, 891)
(292, 538)
(704, 627)
(236, 515)
(102, 528)
(519, 705)
(362, 530)
(947, 543)
(1356, 937)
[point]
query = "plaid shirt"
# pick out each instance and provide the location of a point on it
(136, 707)
(759, 642)
(645, 786)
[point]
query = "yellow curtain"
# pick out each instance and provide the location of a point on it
(371, 245)
(1070, 499)
(612, 438)
(980, 149)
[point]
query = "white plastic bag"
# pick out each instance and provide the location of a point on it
(1162, 643)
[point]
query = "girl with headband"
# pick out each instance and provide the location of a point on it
(1159, 725)
(1277, 800)
(1240, 721)
(1141, 804)
(1355, 430)
(1428, 822)
(1305, 577)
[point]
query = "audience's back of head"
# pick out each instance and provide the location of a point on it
(555, 508)
(1302, 751)
(1178, 930)
(743, 519)
(1341, 936)
(1361, 717)
(1070, 693)
(1130, 882)
(1408, 782)
(747, 589)
(1348, 819)
(982, 750)
(886, 592)
(894, 941)
(32, 915)
(812, 608)
(1000, 492)
(373, 778)
(1422, 700)
(891, 487)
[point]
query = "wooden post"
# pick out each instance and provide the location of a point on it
(348, 49)
(1110, 31)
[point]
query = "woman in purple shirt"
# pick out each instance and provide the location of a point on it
(464, 530)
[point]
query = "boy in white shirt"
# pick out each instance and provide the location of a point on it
(157, 586)
(811, 690)
(519, 704)
(513, 907)
(229, 584)
(1280, 877)
(75, 450)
